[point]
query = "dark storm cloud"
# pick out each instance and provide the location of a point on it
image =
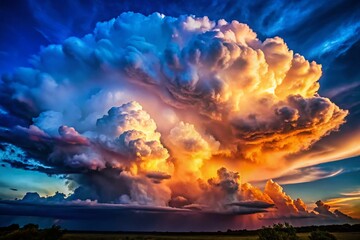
(157, 177)
(252, 204)
(48, 208)
(117, 218)
(110, 217)
(58, 206)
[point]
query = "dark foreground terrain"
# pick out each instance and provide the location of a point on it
(93, 236)
(275, 232)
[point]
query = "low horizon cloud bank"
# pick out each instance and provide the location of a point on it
(77, 214)
(164, 112)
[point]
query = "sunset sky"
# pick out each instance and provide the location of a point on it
(179, 115)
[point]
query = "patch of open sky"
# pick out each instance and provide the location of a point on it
(12, 153)
(339, 42)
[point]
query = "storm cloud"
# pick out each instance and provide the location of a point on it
(158, 111)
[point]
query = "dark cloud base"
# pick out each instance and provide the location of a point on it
(108, 219)
(137, 218)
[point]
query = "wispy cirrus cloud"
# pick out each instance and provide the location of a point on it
(308, 174)
(348, 203)
(353, 193)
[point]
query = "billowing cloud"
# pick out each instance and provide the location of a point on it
(285, 204)
(129, 131)
(34, 197)
(155, 110)
(222, 190)
(324, 210)
(190, 149)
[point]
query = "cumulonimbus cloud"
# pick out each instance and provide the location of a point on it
(148, 109)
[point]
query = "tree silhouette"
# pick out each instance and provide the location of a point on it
(30, 232)
(278, 232)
